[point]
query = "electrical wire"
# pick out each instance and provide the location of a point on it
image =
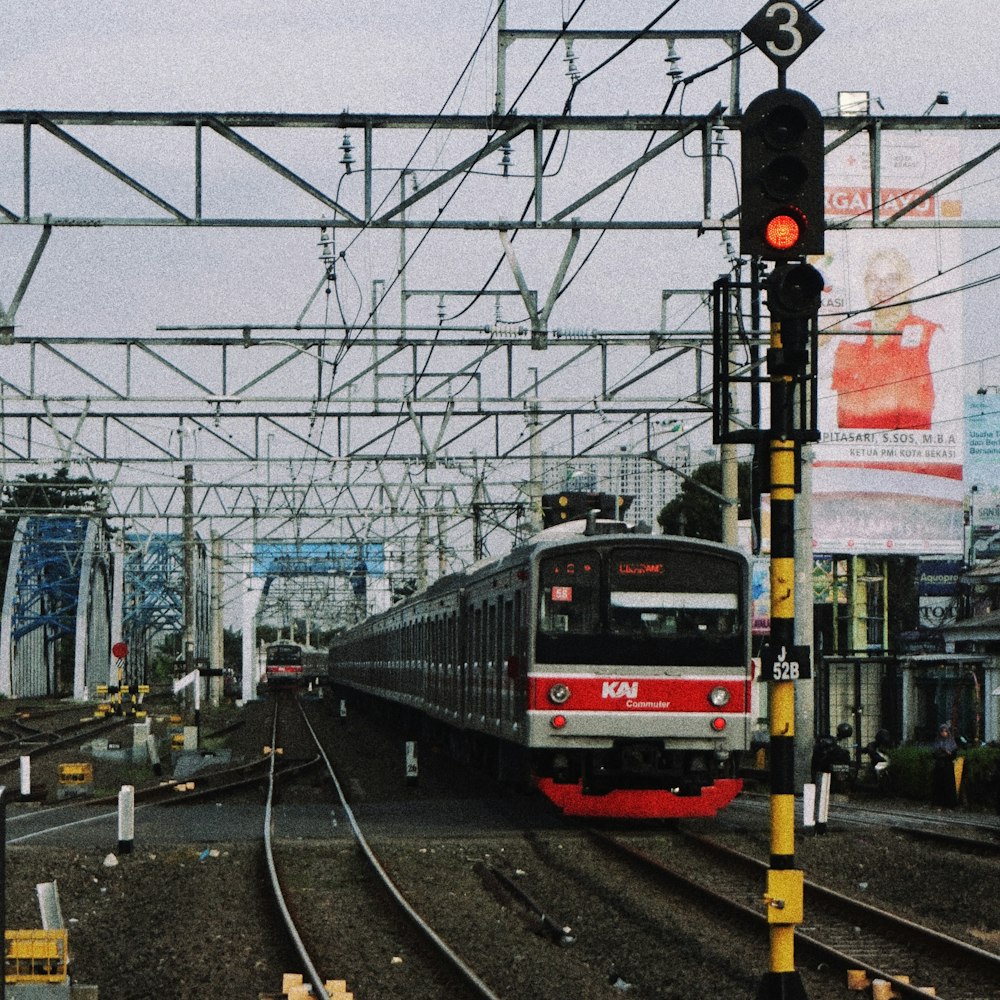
(348, 339)
(567, 109)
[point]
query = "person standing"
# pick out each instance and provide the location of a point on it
(943, 790)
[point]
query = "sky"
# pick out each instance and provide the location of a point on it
(406, 56)
(283, 55)
(402, 57)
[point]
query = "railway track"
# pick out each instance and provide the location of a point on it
(23, 740)
(962, 831)
(564, 912)
(440, 954)
(845, 932)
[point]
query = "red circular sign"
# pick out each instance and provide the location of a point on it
(120, 650)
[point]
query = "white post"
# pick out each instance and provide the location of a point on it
(126, 819)
(154, 754)
(824, 802)
(25, 777)
(809, 807)
(216, 626)
(251, 600)
(48, 906)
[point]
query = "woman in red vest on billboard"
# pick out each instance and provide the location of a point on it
(882, 374)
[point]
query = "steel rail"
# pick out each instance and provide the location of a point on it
(453, 960)
(825, 948)
(279, 896)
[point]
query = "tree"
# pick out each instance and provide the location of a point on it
(695, 511)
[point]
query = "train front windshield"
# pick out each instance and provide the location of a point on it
(284, 655)
(641, 605)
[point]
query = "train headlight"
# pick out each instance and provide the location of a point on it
(719, 697)
(559, 694)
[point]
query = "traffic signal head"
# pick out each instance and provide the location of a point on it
(794, 291)
(781, 215)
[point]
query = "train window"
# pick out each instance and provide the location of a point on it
(673, 613)
(689, 572)
(284, 654)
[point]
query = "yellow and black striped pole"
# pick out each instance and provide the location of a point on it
(783, 896)
(793, 299)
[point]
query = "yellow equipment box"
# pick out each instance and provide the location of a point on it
(35, 956)
(76, 774)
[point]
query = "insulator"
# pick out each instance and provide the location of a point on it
(441, 309)
(347, 153)
(570, 59)
(327, 247)
(505, 162)
(511, 331)
(672, 59)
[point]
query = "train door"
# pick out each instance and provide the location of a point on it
(518, 666)
(505, 653)
(474, 688)
(462, 625)
(429, 693)
(490, 710)
(440, 658)
(452, 697)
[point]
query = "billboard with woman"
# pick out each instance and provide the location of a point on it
(887, 472)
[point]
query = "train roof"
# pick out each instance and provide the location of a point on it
(571, 533)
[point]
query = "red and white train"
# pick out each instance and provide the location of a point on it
(283, 664)
(612, 669)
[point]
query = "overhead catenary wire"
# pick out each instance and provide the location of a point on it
(347, 339)
(340, 288)
(637, 36)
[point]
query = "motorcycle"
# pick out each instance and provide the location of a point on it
(829, 757)
(877, 767)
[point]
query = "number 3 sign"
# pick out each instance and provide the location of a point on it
(782, 30)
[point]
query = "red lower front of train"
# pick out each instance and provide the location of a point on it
(278, 676)
(641, 803)
(641, 746)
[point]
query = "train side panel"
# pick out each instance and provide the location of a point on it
(614, 670)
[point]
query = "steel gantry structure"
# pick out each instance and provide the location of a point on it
(439, 397)
(112, 401)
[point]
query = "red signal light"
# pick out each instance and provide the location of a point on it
(782, 191)
(782, 232)
(718, 724)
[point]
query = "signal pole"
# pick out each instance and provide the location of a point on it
(782, 220)
(782, 662)
(793, 299)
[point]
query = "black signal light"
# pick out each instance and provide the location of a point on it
(782, 211)
(794, 291)
(794, 294)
